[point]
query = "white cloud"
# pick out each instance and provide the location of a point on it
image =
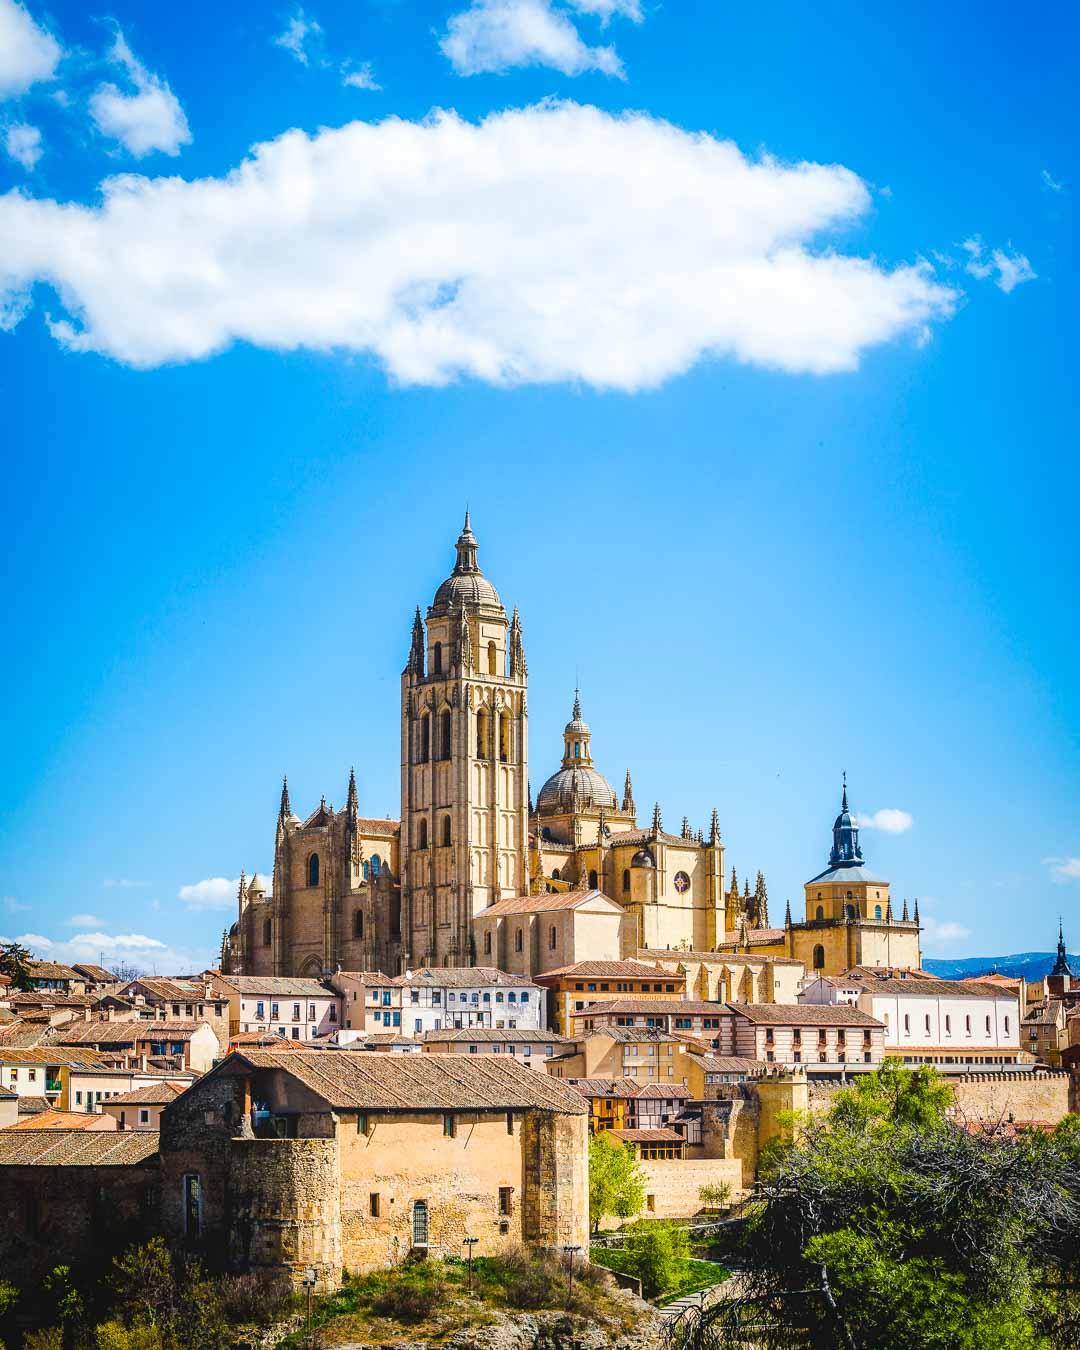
(889, 819)
(1063, 869)
(1012, 268)
(23, 143)
(360, 77)
(299, 35)
(120, 942)
(27, 52)
(936, 934)
(604, 10)
(545, 244)
(35, 942)
(131, 948)
(1051, 183)
(149, 119)
(14, 906)
(84, 921)
(496, 35)
(213, 893)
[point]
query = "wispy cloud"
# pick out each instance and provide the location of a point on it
(84, 921)
(937, 934)
(1063, 869)
(1011, 268)
(1051, 183)
(149, 119)
(492, 36)
(360, 76)
(132, 948)
(213, 893)
(889, 819)
(23, 144)
(14, 906)
(674, 247)
(300, 37)
(28, 53)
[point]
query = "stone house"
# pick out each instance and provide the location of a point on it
(531, 1047)
(826, 1038)
(700, 1020)
(54, 976)
(643, 1054)
(368, 999)
(45, 1072)
(294, 1008)
(534, 935)
(330, 1159)
(184, 998)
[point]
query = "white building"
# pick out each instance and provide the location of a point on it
(929, 1021)
(297, 1009)
(478, 996)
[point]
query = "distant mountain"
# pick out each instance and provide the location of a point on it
(1029, 965)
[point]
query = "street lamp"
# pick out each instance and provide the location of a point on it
(309, 1285)
(571, 1252)
(470, 1243)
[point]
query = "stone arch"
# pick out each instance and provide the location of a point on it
(312, 968)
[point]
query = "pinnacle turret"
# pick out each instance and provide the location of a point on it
(352, 804)
(628, 795)
(416, 647)
(657, 819)
(686, 833)
(904, 915)
(714, 829)
(285, 810)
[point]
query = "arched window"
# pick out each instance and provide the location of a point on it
(554, 874)
(446, 831)
(518, 940)
(819, 957)
(358, 924)
(268, 932)
(492, 659)
(376, 863)
(553, 938)
(367, 872)
(482, 734)
(626, 879)
(425, 739)
(877, 911)
(422, 841)
(577, 749)
(313, 870)
(849, 896)
(487, 943)
(419, 1223)
(592, 881)
(504, 737)
(436, 660)
(820, 913)
(849, 911)
(444, 734)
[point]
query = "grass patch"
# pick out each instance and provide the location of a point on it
(431, 1300)
(697, 1275)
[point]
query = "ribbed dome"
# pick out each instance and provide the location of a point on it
(472, 587)
(581, 784)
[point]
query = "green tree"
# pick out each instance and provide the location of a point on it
(716, 1196)
(616, 1180)
(143, 1284)
(894, 1096)
(658, 1254)
(15, 963)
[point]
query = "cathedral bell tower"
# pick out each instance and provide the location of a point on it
(464, 765)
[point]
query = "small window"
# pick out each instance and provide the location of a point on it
(420, 1223)
(493, 659)
(267, 933)
(506, 1194)
(555, 874)
(444, 734)
(144, 1115)
(436, 659)
(449, 1126)
(553, 940)
(509, 1122)
(362, 1123)
(877, 911)
(592, 881)
(422, 841)
(425, 739)
(626, 879)
(820, 913)
(358, 924)
(446, 832)
(487, 943)
(819, 957)
(313, 870)
(373, 1204)
(518, 938)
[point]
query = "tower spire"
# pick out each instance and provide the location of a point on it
(905, 916)
(714, 829)
(1061, 965)
(628, 795)
(466, 549)
(787, 916)
(352, 802)
(285, 810)
(657, 819)
(915, 916)
(577, 705)
(845, 848)
(416, 648)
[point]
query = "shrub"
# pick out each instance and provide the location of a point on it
(532, 1285)
(48, 1338)
(411, 1295)
(254, 1298)
(658, 1254)
(116, 1336)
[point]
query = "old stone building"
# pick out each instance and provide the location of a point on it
(362, 893)
(332, 1160)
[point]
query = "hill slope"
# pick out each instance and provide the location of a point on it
(1029, 965)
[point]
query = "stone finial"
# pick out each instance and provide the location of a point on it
(714, 828)
(657, 819)
(352, 804)
(686, 828)
(628, 795)
(916, 914)
(787, 916)
(904, 915)
(285, 810)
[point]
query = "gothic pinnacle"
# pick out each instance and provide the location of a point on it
(628, 794)
(352, 802)
(657, 819)
(286, 809)
(714, 828)
(916, 914)
(787, 915)
(905, 915)
(577, 706)
(686, 827)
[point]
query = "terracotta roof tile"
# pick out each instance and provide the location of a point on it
(276, 985)
(125, 1033)
(804, 1014)
(152, 1094)
(373, 1081)
(542, 904)
(65, 1120)
(629, 969)
(490, 1035)
(658, 1007)
(76, 1148)
(658, 1136)
(460, 977)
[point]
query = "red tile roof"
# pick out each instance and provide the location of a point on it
(542, 904)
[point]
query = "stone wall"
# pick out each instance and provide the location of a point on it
(55, 1215)
(285, 1208)
(672, 1187)
(1042, 1096)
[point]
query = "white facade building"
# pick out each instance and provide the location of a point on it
(929, 1021)
(296, 1009)
(480, 996)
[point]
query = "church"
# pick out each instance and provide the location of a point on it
(358, 893)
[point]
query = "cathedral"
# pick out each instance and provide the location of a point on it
(358, 893)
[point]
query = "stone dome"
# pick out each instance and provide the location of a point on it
(581, 784)
(466, 583)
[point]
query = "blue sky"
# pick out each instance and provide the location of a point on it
(742, 330)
